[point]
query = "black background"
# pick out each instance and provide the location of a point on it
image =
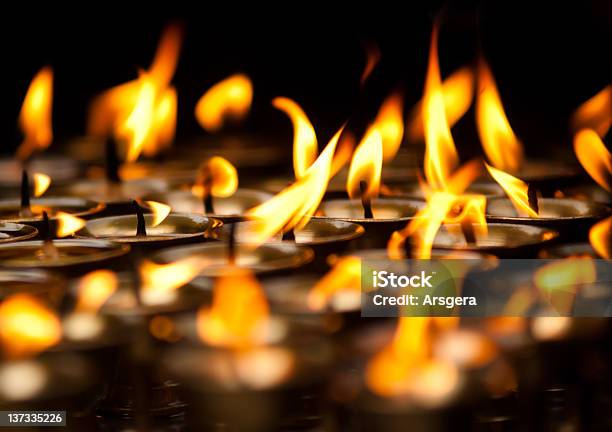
(547, 58)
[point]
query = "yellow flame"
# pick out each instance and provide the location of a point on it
(160, 211)
(239, 308)
(35, 115)
(159, 280)
(596, 113)
(219, 175)
(343, 154)
(294, 206)
(27, 326)
(594, 157)
(372, 58)
(67, 224)
(164, 123)
(230, 98)
(390, 123)
(600, 237)
(366, 165)
(41, 183)
(94, 289)
(516, 189)
(503, 149)
(345, 275)
(304, 136)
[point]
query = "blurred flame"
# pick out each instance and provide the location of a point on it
(304, 136)
(458, 91)
(515, 188)
(27, 326)
(406, 365)
(41, 183)
(343, 154)
(142, 112)
(94, 289)
(594, 157)
(160, 212)
(503, 149)
(230, 98)
(600, 237)
(366, 165)
(558, 279)
(159, 281)
(596, 113)
(239, 308)
(221, 176)
(35, 115)
(372, 58)
(345, 275)
(294, 206)
(67, 224)
(390, 124)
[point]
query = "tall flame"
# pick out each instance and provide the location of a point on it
(501, 146)
(372, 52)
(41, 183)
(160, 281)
(94, 289)
(516, 189)
(600, 237)
(596, 113)
(390, 123)
(239, 308)
(366, 165)
(67, 224)
(35, 115)
(27, 326)
(219, 175)
(230, 98)
(160, 211)
(345, 275)
(304, 136)
(594, 157)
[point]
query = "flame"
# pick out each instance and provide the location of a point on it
(372, 58)
(343, 154)
(594, 157)
(35, 115)
(344, 276)
(67, 224)
(503, 149)
(41, 183)
(221, 175)
(366, 165)
(94, 289)
(239, 308)
(457, 90)
(596, 113)
(294, 206)
(390, 123)
(160, 212)
(516, 189)
(27, 326)
(600, 237)
(142, 112)
(230, 98)
(160, 281)
(406, 364)
(304, 136)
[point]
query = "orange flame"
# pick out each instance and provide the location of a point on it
(594, 157)
(304, 136)
(596, 113)
(516, 189)
(501, 146)
(230, 98)
(35, 115)
(390, 123)
(160, 212)
(344, 276)
(458, 90)
(219, 175)
(94, 289)
(600, 237)
(27, 326)
(239, 308)
(366, 165)
(67, 224)
(41, 183)
(294, 206)
(372, 58)
(160, 281)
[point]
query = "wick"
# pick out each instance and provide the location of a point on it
(25, 194)
(231, 245)
(48, 249)
(111, 161)
(532, 197)
(289, 235)
(141, 227)
(408, 248)
(207, 197)
(365, 201)
(467, 228)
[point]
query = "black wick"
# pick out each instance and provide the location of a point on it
(532, 197)
(25, 190)
(365, 200)
(141, 228)
(111, 161)
(207, 197)
(231, 244)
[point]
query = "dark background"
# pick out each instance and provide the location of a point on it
(547, 59)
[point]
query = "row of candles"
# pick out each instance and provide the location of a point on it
(147, 274)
